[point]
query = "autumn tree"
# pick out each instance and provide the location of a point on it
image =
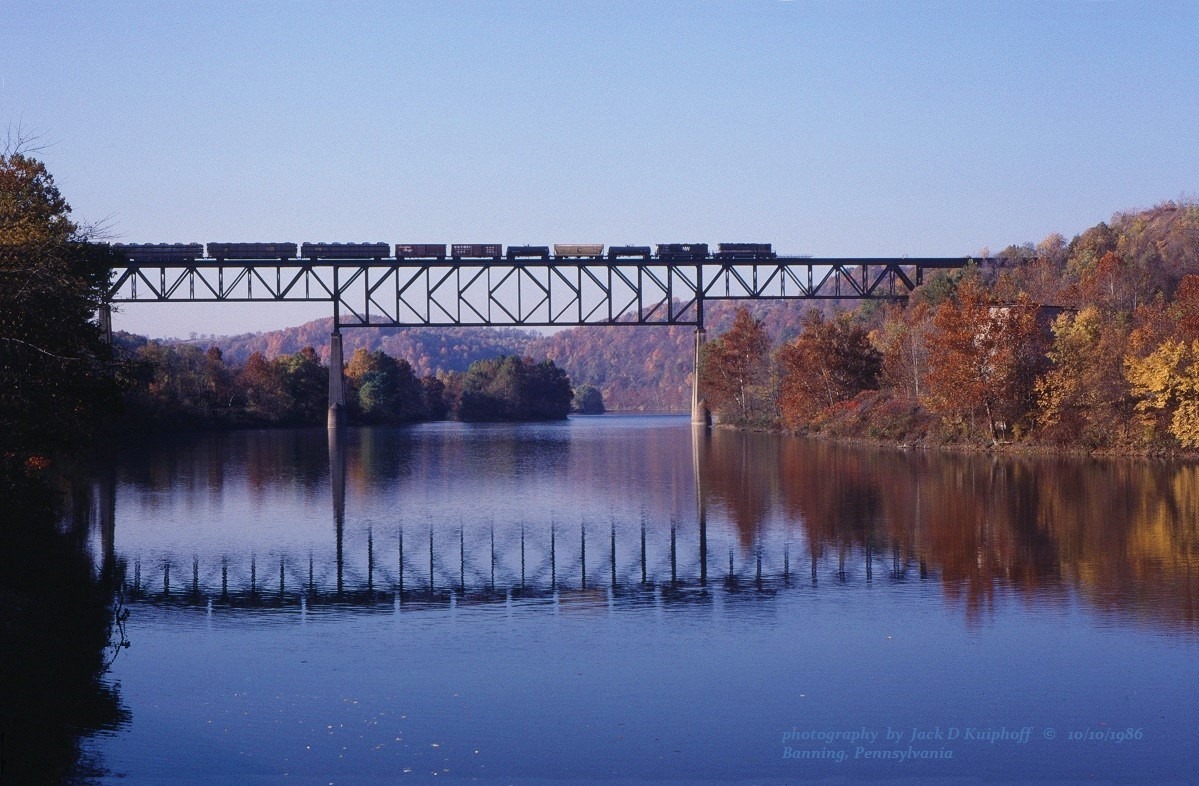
(56, 374)
(384, 389)
(984, 358)
(735, 371)
(1083, 397)
(905, 353)
(831, 361)
(1167, 381)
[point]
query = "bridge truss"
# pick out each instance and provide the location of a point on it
(557, 292)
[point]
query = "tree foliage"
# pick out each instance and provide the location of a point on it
(735, 372)
(514, 388)
(57, 377)
(830, 362)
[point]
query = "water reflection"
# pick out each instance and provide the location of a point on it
(60, 627)
(639, 512)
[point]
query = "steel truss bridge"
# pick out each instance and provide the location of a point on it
(550, 292)
(369, 289)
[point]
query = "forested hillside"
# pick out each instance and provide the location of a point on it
(1091, 343)
(636, 368)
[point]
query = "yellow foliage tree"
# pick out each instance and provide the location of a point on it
(1167, 381)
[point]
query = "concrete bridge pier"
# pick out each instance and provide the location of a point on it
(104, 320)
(699, 407)
(337, 382)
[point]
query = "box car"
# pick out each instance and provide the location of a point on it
(344, 250)
(476, 250)
(252, 250)
(534, 252)
(579, 250)
(420, 250)
(744, 251)
(682, 250)
(156, 253)
(634, 252)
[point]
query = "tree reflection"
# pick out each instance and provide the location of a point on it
(1123, 534)
(57, 620)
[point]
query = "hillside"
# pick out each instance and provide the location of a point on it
(636, 368)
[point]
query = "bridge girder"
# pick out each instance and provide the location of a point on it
(521, 293)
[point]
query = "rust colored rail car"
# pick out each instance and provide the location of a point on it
(420, 250)
(252, 250)
(344, 250)
(161, 252)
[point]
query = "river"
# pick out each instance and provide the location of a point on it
(622, 599)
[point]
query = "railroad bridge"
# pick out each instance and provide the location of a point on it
(372, 285)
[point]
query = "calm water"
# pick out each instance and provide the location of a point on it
(613, 599)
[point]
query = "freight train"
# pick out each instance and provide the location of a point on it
(175, 253)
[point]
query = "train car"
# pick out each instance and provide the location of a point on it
(476, 250)
(744, 251)
(682, 250)
(344, 250)
(420, 250)
(594, 250)
(528, 252)
(629, 252)
(252, 250)
(159, 253)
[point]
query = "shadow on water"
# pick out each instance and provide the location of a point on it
(61, 624)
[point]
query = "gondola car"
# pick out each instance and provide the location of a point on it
(744, 251)
(476, 250)
(251, 251)
(344, 250)
(159, 253)
(589, 250)
(420, 250)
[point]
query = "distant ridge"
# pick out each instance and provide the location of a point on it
(644, 369)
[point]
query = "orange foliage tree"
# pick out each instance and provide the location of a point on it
(735, 371)
(831, 361)
(984, 358)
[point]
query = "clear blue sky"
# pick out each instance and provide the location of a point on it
(827, 128)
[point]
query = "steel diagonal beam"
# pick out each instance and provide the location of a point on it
(462, 300)
(373, 290)
(266, 285)
(789, 273)
(604, 288)
(454, 271)
(492, 298)
(207, 285)
(573, 288)
(636, 291)
(169, 291)
(153, 289)
(401, 291)
(116, 285)
(544, 289)
(775, 272)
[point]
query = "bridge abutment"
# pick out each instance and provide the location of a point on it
(699, 407)
(337, 382)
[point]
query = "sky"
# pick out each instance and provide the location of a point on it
(825, 128)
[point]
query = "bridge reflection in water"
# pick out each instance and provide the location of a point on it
(743, 516)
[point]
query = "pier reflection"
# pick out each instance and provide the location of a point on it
(640, 513)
